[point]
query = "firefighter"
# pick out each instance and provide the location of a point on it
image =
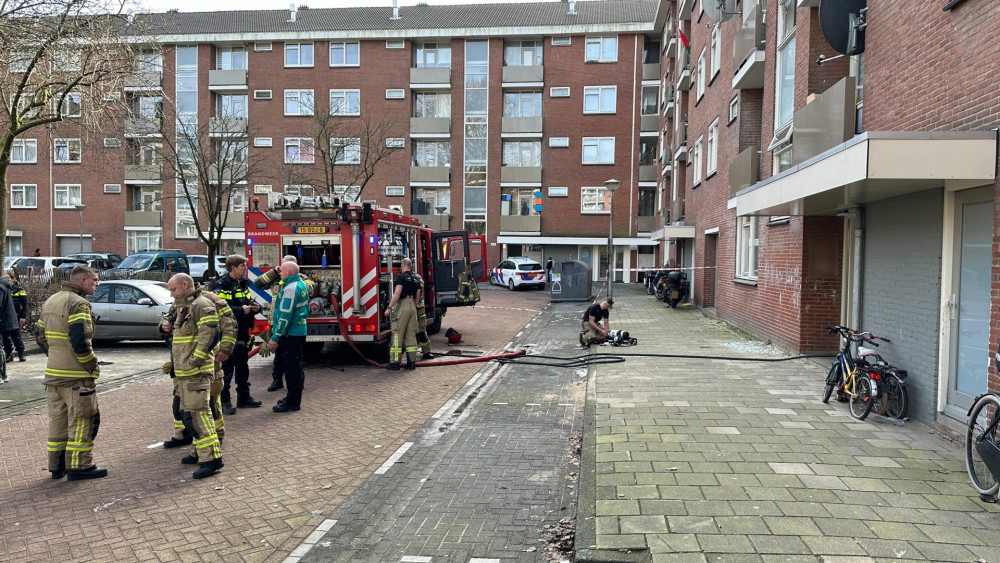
(403, 313)
(193, 351)
(65, 331)
(423, 340)
(233, 288)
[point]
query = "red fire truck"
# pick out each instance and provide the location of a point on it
(352, 253)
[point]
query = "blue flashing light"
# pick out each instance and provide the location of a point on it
(249, 241)
(371, 239)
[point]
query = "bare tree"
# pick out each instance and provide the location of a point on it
(59, 59)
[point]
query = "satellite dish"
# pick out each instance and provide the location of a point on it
(843, 24)
(719, 10)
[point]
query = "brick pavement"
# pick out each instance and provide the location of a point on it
(713, 460)
(283, 473)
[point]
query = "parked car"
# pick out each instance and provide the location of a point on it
(518, 272)
(199, 266)
(99, 264)
(8, 260)
(129, 309)
(41, 268)
(111, 257)
(158, 263)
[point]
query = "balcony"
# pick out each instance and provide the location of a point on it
(436, 222)
(227, 127)
(230, 174)
(522, 126)
(143, 174)
(649, 123)
(651, 71)
(677, 210)
(671, 47)
(647, 224)
(748, 51)
(521, 223)
(430, 174)
(743, 170)
(684, 9)
(137, 127)
(521, 175)
(825, 122)
(523, 75)
(668, 110)
(143, 82)
(227, 80)
(430, 78)
(436, 126)
(668, 165)
(234, 220)
(142, 218)
(647, 173)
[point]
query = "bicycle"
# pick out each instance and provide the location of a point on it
(982, 444)
(846, 376)
(893, 400)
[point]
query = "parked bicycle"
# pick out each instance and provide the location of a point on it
(893, 400)
(853, 384)
(982, 444)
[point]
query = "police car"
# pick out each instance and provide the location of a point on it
(518, 272)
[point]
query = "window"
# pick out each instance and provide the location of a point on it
(595, 200)
(68, 196)
(522, 104)
(345, 54)
(647, 151)
(67, 151)
(600, 99)
(399, 44)
(345, 150)
(25, 151)
(395, 142)
(598, 150)
(559, 92)
(522, 53)
(232, 106)
(650, 99)
(148, 107)
(431, 153)
(262, 142)
(299, 150)
(71, 105)
(734, 109)
(432, 201)
(713, 147)
(19, 61)
(782, 154)
(558, 191)
(432, 55)
(146, 198)
(395, 94)
(141, 240)
(747, 244)
(231, 58)
(299, 102)
(715, 52)
(432, 104)
(562, 41)
(784, 99)
(522, 153)
(298, 54)
(395, 191)
(66, 60)
(24, 104)
(521, 201)
(345, 102)
(700, 83)
(149, 60)
(262, 46)
(650, 52)
(602, 49)
(303, 189)
(647, 202)
(696, 162)
(559, 142)
(23, 196)
(146, 154)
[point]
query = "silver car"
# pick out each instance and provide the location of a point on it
(129, 309)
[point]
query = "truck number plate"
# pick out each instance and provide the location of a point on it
(307, 230)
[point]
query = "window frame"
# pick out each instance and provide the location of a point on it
(348, 148)
(299, 142)
(344, 45)
(346, 95)
(297, 47)
(588, 92)
(700, 76)
(712, 149)
(602, 55)
(23, 145)
(422, 148)
(68, 103)
(696, 162)
(67, 190)
(715, 53)
(297, 94)
(23, 192)
(518, 45)
(747, 248)
(533, 98)
(785, 48)
(590, 197)
(69, 142)
(520, 148)
(596, 143)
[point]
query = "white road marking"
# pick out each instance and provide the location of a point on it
(415, 559)
(156, 445)
(299, 552)
(393, 458)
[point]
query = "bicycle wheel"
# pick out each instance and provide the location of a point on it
(894, 398)
(832, 378)
(982, 426)
(861, 400)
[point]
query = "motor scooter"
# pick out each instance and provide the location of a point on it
(676, 288)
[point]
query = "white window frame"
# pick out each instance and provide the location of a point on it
(786, 47)
(344, 46)
(299, 142)
(606, 54)
(700, 82)
(19, 61)
(237, 57)
(747, 247)
(734, 108)
(262, 46)
(712, 158)
(593, 200)
(66, 60)
(69, 144)
(596, 143)
(601, 92)
(66, 191)
(559, 92)
(343, 98)
(715, 53)
(24, 192)
(20, 151)
(696, 162)
(297, 48)
(351, 153)
(305, 99)
(71, 100)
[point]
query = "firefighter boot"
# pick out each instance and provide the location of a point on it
(208, 468)
(394, 366)
(60, 471)
(410, 364)
(92, 472)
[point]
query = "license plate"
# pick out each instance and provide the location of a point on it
(310, 230)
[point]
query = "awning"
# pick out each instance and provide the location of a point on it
(585, 241)
(873, 166)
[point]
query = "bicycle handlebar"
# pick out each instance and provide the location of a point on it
(856, 336)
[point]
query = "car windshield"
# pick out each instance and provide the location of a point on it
(527, 266)
(36, 263)
(136, 262)
(69, 265)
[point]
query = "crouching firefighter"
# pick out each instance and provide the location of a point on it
(403, 314)
(591, 330)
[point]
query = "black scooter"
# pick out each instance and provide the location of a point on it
(675, 288)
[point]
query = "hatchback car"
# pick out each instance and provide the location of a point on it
(518, 272)
(199, 266)
(106, 257)
(41, 268)
(129, 309)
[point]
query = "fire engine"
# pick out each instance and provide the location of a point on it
(352, 253)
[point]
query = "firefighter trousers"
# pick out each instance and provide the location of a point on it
(404, 331)
(588, 334)
(180, 431)
(196, 401)
(423, 340)
(73, 423)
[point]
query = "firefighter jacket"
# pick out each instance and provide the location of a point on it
(292, 309)
(227, 322)
(420, 295)
(237, 294)
(195, 332)
(65, 331)
(20, 301)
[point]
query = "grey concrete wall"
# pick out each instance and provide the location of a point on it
(902, 289)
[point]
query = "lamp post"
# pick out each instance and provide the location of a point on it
(80, 207)
(611, 186)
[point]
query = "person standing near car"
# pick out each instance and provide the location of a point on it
(289, 332)
(65, 333)
(12, 339)
(235, 289)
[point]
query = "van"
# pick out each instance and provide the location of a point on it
(41, 268)
(152, 264)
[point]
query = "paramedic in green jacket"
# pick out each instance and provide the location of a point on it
(289, 332)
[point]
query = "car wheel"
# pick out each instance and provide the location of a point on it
(510, 284)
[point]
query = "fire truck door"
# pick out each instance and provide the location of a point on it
(477, 256)
(449, 253)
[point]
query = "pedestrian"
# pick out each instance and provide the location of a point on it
(289, 332)
(423, 340)
(8, 321)
(12, 340)
(38, 252)
(271, 280)
(196, 335)
(65, 331)
(403, 316)
(592, 332)
(234, 288)
(548, 270)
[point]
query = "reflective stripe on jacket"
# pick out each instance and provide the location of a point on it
(193, 349)
(65, 331)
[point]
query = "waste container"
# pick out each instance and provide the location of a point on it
(570, 281)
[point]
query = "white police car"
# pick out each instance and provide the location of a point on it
(518, 272)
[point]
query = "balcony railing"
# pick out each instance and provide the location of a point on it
(432, 174)
(227, 80)
(647, 224)
(649, 123)
(143, 82)
(748, 50)
(142, 218)
(743, 170)
(647, 173)
(522, 74)
(227, 127)
(684, 9)
(430, 77)
(651, 71)
(430, 125)
(826, 122)
(677, 210)
(230, 174)
(521, 125)
(139, 174)
(521, 223)
(436, 222)
(143, 127)
(521, 175)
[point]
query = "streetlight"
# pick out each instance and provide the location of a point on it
(80, 207)
(611, 186)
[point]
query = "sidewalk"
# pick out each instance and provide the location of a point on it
(713, 460)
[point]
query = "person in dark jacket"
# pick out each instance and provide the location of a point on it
(8, 318)
(13, 341)
(235, 289)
